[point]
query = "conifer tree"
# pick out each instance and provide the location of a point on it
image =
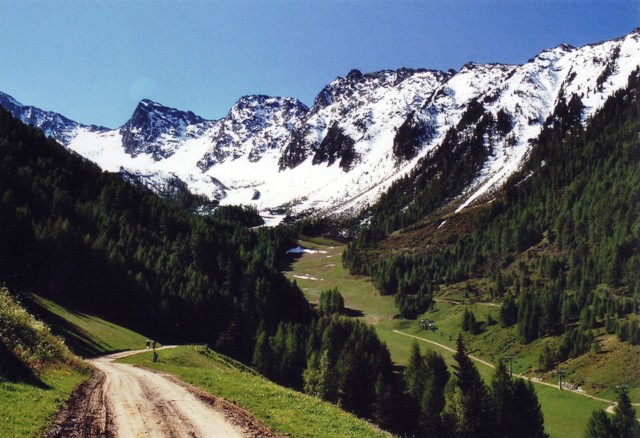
(508, 311)
(624, 422)
(433, 400)
(472, 415)
(526, 414)
(414, 373)
(262, 355)
(515, 406)
(599, 426)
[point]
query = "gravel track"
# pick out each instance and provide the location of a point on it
(122, 400)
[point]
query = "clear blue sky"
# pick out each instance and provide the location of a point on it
(94, 60)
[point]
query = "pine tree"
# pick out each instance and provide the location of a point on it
(515, 406)
(501, 394)
(526, 411)
(624, 422)
(469, 323)
(433, 400)
(546, 358)
(508, 311)
(262, 355)
(473, 416)
(414, 373)
(312, 376)
(599, 426)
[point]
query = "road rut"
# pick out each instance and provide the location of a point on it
(122, 400)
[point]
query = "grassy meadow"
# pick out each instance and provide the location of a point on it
(86, 335)
(27, 408)
(566, 413)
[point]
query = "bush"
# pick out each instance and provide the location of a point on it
(26, 341)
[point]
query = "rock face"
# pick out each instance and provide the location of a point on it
(156, 130)
(362, 132)
(255, 125)
(52, 124)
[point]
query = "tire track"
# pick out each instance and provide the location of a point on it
(122, 400)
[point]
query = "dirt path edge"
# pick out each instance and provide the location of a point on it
(86, 413)
(239, 417)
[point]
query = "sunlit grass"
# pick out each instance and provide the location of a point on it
(566, 413)
(26, 409)
(37, 371)
(283, 410)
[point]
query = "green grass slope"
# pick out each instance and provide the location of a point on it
(283, 410)
(566, 413)
(85, 334)
(37, 371)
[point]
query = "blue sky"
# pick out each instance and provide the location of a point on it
(94, 60)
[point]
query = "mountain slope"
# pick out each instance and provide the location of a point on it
(37, 371)
(363, 132)
(558, 248)
(87, 238)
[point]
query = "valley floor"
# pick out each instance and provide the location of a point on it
(566, 412)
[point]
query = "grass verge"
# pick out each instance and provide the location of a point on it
(283, 410)
(37, 371)
(27, 409)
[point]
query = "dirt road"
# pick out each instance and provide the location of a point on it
(520, 376)
(123, 400)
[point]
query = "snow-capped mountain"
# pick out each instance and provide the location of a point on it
(362, 133)
(254, 125)
(156, 130)
(52, 124)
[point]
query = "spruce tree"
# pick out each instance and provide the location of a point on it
(262, 355)
(515, 406)
(624, 422)
(473, 416)
(508, 311)
(526, 414)
(599, 426)
(433, 399)
(414, 373)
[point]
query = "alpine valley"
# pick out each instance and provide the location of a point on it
(452, 254)
(363, 132)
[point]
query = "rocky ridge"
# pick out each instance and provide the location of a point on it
(362, 132)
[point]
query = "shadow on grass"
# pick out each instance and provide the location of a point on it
(288, 260)
(352, 313)
(14, 370)
(75, 338)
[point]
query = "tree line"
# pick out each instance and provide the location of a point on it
(342, 360)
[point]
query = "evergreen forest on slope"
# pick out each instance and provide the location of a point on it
(96, 243)
(559, 244)
(90, 240)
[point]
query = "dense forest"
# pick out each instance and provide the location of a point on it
(343, 361)
(97, 243)
(573, 212)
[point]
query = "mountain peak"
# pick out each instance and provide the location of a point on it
(339, 155)
(150, 121)
(147, 106)
(254, 101)
(6, 100)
